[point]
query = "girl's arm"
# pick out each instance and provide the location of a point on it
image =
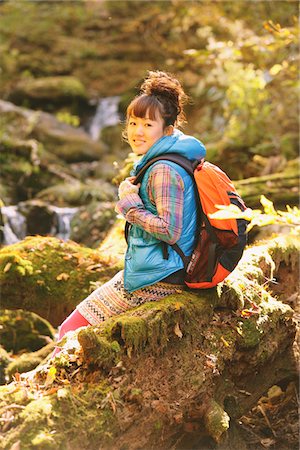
(166, 192)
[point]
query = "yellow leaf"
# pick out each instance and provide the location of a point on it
(7, 267)
(178, 331)
(50, 376)
(224, 341)
(62, 276)
(276, 69)
(177, 306)
(267, 205)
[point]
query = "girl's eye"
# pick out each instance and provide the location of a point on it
(131, 123)
(148, 124)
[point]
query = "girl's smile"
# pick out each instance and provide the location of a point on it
(143, 132)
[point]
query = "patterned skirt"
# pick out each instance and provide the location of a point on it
(111, 298)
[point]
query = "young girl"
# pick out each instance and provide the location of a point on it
(162, 208)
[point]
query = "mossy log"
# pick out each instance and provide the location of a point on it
(281, 188)
(166, 373)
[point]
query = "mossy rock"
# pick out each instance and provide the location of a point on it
(24, 330)
(91, 223)
(76, 193)
(47, 422)
(49, 276)
(65, 141)
(58, 89)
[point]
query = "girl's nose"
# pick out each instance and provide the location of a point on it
(139, 130)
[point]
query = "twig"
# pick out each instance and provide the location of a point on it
(261, 409)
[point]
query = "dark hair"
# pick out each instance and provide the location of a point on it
(160, 92)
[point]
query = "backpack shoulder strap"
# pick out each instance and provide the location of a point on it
(185, 163)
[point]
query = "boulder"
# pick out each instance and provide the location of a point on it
(91, 223)
(49, 276)
(56, 90)
(24, 331)
(65, 141)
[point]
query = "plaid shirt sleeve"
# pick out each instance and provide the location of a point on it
(165, 190)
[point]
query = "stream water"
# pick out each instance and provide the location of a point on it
(106, 115)
(15, 223)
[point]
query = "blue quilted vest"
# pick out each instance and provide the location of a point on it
(144, 262)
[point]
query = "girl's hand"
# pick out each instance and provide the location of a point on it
(127, 188)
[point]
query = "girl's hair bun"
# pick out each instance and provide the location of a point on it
(168, 90)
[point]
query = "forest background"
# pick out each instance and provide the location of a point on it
(68, 71)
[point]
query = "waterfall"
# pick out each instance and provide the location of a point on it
(64, 217)
(15, 223)
(106, 115)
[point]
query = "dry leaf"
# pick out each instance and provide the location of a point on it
(178, 331)
(62, 276)
(224, 341)
(7, 267)
(178, 306)
(50, 376)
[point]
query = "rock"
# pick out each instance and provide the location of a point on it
(24, 330)
(40, 218)
(49, 276)
(76, 193)
(68, 143)
(57, 90)
(91, 223)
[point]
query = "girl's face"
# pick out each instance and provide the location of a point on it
(143, 132)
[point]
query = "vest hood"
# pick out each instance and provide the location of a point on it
(178, 142)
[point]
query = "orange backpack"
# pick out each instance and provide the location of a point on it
(219, 243)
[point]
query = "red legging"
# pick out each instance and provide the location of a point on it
(74, 321)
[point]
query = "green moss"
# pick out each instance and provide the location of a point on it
(49, 421)
(28, 361)
(151, 326)
(216, 420)
(97, 349)
(23, 330)
(48, 276)
(250, 334)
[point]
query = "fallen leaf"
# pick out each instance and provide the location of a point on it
(224, 341)
(178, 306)
(7, 267)
(178, 331)
(50, 376)
(63, 276)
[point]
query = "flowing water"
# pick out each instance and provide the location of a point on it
(15, 224)
(106, 115)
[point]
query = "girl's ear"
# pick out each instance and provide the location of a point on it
(169, 130)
